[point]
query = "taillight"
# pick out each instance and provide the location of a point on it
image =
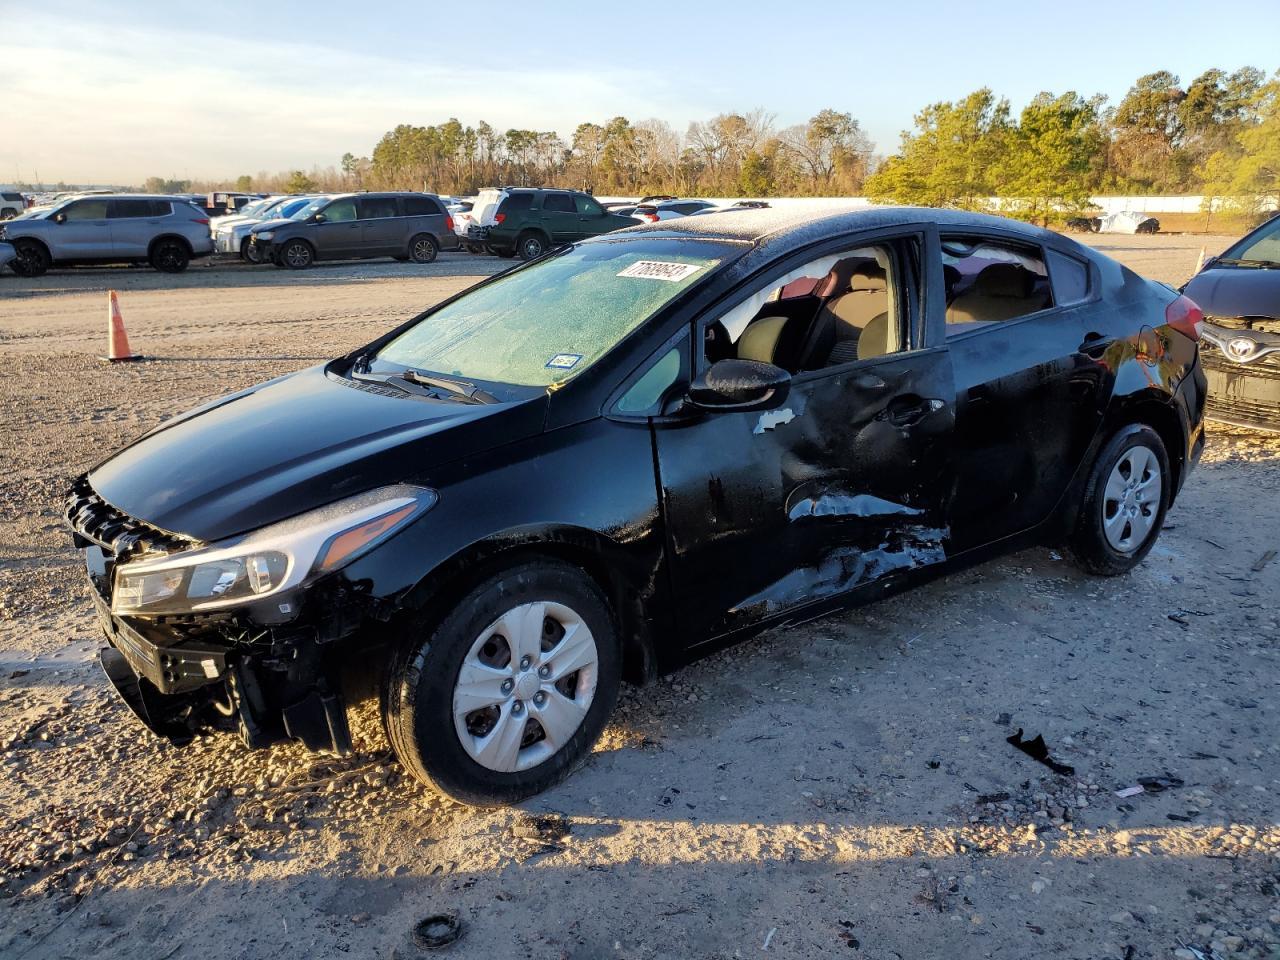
(204, 220)
(499, 217)
(1185, 316)
(651, 217)
(448, 222)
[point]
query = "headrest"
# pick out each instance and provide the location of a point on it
(837, 280)
(868, 279)
(1003, 280)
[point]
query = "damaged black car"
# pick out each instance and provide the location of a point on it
(624, 455)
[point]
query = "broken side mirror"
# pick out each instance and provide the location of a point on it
(739, 385)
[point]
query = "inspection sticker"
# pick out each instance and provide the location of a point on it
(564, 361)
(660, 270)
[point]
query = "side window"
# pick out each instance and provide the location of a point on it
(420, 206)
(646, 392)
(834, 310)
(162, 208)
(557, 203)
(340, 211)
(121, 209)
(87, 210)
(515, 202)
(1070, 278)
(587, 207)
(378, 208)
(989, 281)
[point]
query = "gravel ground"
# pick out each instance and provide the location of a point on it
(840, 788)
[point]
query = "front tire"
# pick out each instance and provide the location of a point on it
(1125, 499)
(33, 259)
(297, 255)
(250, 252)
(510, 689)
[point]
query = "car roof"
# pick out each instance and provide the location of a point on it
(796, 226)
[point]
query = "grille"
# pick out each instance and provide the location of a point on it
(120, 535)
(1253, 412)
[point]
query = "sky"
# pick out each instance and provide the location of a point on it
(114, 92)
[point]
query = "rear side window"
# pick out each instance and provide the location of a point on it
(558, 203)
(378, 208)
(990, 281)
(17, 197)
(1070, 278)
(516, 202)
(123, 209)
(420, 207)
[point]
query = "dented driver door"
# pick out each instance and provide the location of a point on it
(778, 515)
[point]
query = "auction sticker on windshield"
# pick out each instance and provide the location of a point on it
(564, 361)
(660, 270)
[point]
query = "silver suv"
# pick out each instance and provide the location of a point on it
(128, 228)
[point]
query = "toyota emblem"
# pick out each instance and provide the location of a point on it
(1241, 348)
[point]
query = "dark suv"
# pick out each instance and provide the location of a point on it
(529, 222)
(355, 226)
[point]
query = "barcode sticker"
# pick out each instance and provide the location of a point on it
(660, 270)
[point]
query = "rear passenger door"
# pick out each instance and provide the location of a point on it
(83, 231)
(1026, 386)
(338, 235)
(382, 228)
(560, 217)
(134, 222)
(423, 215)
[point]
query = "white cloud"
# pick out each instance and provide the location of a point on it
(104, 103)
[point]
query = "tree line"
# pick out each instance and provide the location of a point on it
(1218, 135)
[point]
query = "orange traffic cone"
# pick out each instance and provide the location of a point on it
(117, 340)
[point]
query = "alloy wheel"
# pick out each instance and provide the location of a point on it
(1131, 499)
(297, 255)
(525, 686)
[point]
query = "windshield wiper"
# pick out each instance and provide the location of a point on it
(457, 388)
(1247, 263)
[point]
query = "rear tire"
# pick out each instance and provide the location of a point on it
(169, 256)
(296, 255)
(33, 259)
(423, 248)
(498, 700)
(531, 245)
(1125, 499)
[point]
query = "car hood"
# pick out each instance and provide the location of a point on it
(1236, 292)
(250, 225)
(293, 444)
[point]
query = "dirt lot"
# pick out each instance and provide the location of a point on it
(844, 788)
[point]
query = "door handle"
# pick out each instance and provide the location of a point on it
(908, 411)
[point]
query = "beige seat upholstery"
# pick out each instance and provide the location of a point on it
(760, 340)
(855, 310)
(878, 339)
(1001, 291)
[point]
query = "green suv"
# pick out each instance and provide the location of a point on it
(530, 221)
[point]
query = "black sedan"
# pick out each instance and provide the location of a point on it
(1239, 292)
(621, 456)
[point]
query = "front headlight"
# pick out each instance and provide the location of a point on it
(265, 235)
(269, 561)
